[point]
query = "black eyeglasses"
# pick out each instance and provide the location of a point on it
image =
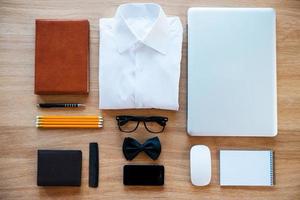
(153, 124)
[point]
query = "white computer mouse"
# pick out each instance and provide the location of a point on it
(200, 165)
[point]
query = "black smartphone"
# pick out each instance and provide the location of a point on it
(143, 175)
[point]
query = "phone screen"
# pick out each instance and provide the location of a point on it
(143, 175)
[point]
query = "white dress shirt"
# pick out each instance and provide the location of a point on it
(140, 54)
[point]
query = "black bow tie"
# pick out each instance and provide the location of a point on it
(131, 148)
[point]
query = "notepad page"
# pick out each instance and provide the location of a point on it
(246, 168)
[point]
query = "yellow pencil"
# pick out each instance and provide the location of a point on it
(68, 126)
(68, 123)
(70, 120)
(68, 117)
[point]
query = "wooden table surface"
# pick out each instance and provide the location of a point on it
(19, 139)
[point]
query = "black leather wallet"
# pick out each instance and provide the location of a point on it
(59, 168)
(143, 175)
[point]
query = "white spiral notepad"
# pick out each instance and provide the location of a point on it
(246, 168)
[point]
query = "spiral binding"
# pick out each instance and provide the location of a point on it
(271, 169)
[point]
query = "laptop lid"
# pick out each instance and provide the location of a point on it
(232, 72)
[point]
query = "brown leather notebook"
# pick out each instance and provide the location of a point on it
(62, 57)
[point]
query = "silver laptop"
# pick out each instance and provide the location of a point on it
(232, 72)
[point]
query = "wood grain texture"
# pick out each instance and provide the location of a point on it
(19, 139)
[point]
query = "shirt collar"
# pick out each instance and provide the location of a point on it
(153, 34)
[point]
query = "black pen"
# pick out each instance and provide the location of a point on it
(60, 105)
